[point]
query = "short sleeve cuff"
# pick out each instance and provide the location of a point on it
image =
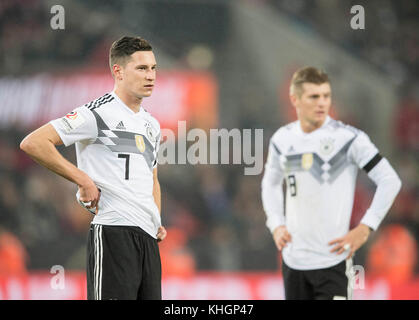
(55, 123)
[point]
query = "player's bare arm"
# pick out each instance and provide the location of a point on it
(156, 190)
(161, 233)
(41, 144)
(352, 241)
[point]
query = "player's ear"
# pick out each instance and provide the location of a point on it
(117, 71)
(293, 98)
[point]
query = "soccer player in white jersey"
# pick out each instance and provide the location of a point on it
(116, 142)
(318, 157)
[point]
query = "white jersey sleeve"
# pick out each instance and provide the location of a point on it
(78, 125)
(272, 192)
(362, 150)
(388, 186)
(364, 153)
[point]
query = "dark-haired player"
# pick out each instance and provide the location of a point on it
(116, 142)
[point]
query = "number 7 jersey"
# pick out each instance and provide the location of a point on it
(117, 148)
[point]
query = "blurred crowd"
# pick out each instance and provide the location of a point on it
(38, 209)
(390, 40)
(29, 44)
(213, 214)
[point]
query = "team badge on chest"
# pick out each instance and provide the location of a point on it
(307, 161)
(139, 141)
(326, 146)
(150, 134)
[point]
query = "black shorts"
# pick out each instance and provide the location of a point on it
(322, 284)
(123, 262)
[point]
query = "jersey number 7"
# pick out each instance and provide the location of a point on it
(126, 157)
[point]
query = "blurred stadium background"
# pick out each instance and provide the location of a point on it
(222, 64)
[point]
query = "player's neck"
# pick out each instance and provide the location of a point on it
(132, 102)
(310, 126)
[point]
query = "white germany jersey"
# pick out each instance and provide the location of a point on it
(320, 170)
(117, 148)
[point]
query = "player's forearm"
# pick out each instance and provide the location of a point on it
(388, 186)
(44, 152)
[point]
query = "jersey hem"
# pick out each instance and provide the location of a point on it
(124, 225)
(312, 267)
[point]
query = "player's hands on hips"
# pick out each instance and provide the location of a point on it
(352, 241)
(161, 233)
(281, 237)
(89, 192)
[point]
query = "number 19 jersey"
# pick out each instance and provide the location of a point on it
(117, 148)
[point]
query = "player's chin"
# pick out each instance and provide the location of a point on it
(147, 92)
(320, 117)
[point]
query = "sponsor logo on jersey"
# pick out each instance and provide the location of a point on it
(307, 161)
(120, 126)
(139, 141)
(72, 121)
(71, 115)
